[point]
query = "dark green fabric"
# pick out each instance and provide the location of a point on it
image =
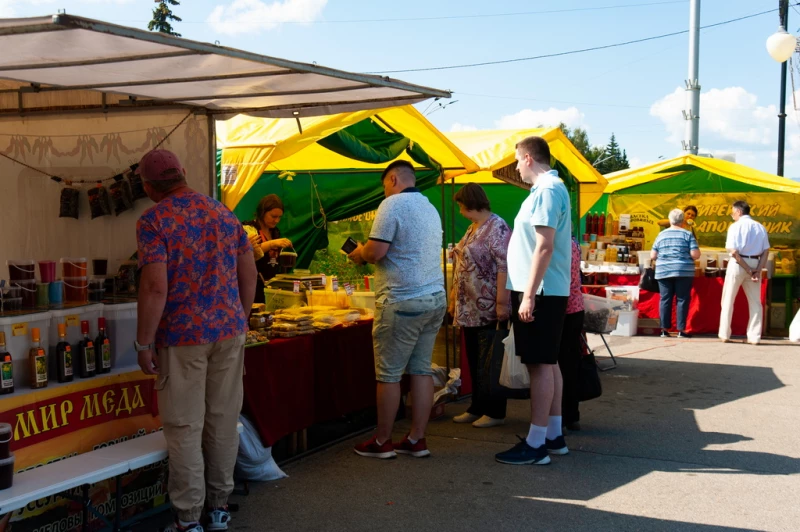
(366, 142)
(344, 194)
(692, 181)
(505, 201)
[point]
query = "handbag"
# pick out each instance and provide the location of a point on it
(490, 365)
(648, 281)
(589, 386)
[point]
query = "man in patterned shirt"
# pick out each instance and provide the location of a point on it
(198, 280)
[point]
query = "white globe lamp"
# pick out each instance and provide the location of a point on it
(781, 45)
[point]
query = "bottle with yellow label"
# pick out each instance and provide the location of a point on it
(37, 358)
(86, 352)
(102, 347)
(6, 368)
(64, 355)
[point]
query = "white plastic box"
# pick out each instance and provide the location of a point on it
(20, 345)
(121, 330)
(278, 299)
(627, 323)
(628, 294)
(363, 300)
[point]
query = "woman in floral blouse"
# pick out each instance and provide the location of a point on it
(479, 298)
(569, 357)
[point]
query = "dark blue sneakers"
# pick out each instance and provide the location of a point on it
(522, 454)
(557, 446)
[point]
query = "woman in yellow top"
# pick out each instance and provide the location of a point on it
(265, 237)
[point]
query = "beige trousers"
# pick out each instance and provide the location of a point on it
(737, 277)
(199, 399)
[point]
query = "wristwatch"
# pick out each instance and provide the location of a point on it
(140, 347)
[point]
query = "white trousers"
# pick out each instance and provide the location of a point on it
(735, 278)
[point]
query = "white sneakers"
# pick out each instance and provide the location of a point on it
(486, 422)
(466, 417)
(479, 422)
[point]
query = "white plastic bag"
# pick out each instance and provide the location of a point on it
(794, 328)
(514, 373)
(254, 461)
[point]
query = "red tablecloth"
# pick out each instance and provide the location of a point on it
(293, 383)
(704, 309)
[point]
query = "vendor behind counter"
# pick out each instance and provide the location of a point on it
(265, 237)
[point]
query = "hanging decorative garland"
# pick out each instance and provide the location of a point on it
(123, 192)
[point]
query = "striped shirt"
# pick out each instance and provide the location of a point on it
(674, 259)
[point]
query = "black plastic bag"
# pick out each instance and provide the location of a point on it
(121, 196)
(70, 199)
(137, 187)
(648, 281)
(99, 202)
(589, 386)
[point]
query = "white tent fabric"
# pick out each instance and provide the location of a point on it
(68, 53)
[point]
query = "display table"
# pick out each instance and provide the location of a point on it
(704, 309)
(292, 383)
(69, 419)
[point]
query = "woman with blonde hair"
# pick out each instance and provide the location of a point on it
(676, 250)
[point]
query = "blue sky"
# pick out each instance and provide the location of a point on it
(635, 91)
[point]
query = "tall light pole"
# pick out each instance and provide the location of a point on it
(692, 114)
(781, 45)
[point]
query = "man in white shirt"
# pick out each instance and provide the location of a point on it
(748, 245)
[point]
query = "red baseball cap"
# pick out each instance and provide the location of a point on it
(160, 165)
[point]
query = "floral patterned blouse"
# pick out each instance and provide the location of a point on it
(575, 301)
(479, 257)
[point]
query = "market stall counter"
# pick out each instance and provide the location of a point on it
(704, 309)
(291, 384)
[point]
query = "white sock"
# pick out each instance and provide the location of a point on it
(536, 435)
(185, 524)
(412, 440)
(554, 427)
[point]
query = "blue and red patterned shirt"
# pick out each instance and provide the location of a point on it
(200, 241)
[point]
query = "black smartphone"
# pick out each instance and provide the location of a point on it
(349, 245)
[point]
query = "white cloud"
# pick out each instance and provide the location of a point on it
(732, 121)
(458, 127)
(530, 118)
(731, 114)
(245, 16)
(635, 162)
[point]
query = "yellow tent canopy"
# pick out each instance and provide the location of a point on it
(718, 169)
(250, 146)
(494, 150)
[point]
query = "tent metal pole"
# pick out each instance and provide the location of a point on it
(453, 237)
(444, 268)
(212, 156)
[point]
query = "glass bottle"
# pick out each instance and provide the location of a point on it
(86, 353)
(102, 346)
(37, 358)
(6, 368)
(64, 355)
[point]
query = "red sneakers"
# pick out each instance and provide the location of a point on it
(371, 449)
(417, 450)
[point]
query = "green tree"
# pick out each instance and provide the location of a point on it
(163, 16)
(613, 159)
(580, 139)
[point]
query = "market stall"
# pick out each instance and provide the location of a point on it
(81, 101)
(627, 218)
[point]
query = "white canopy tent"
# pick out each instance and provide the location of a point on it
(83, 100)
(67, 53)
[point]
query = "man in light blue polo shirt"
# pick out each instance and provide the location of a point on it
(539, 263)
